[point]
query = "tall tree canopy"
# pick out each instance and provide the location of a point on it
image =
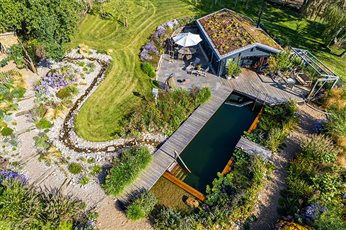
(335, 19)
(317, 8)
(44, 24)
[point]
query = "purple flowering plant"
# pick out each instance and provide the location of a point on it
(8, 174)
(171, 24)
(54, 80)
(150, 48)
(312, 211)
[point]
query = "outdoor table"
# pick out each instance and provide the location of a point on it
(187, 52)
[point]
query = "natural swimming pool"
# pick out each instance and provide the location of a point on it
(209, 152)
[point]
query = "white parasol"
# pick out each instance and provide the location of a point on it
(187, 39)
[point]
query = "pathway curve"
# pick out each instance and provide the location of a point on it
(266, 211)
(52, 177)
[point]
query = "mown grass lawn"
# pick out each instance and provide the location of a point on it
(99, 117)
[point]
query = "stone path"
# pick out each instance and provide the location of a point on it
(266, 211)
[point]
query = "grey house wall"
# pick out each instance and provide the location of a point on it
(219, 62)
(219, 65)
(251, 52)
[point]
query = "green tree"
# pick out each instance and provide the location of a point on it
(48, 23)
(335, 19)
(11, 15)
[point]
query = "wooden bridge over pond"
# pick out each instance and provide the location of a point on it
(176, 143)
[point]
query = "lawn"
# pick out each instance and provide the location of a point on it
(99, 117)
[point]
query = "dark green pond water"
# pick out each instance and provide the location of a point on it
(209, 152)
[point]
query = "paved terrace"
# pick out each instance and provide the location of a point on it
(264, 89)
(249, 83)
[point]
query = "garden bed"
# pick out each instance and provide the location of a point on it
(275, 124)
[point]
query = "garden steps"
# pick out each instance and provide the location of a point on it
(184, 186)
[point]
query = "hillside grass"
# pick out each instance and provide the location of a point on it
(99, 117)
(115, 97)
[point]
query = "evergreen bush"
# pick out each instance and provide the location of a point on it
(75, 168)
(142, 206)
(233, 68)
(148, 69)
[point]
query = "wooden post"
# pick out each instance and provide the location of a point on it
(177, 156)
(28, 59)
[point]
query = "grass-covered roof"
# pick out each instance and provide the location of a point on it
(229, 31)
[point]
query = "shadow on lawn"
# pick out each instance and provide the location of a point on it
(274, 20)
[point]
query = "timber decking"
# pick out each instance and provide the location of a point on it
(253, 148)
(264, 89)
(166, 154)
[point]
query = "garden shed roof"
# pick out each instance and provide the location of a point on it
(228, 33)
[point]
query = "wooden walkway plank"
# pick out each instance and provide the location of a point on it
(253, 148)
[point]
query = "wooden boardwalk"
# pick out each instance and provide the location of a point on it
(264, 89)
(253, 148)
(166, 154)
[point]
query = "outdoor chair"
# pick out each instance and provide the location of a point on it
(196, 61)
(205, 71)
(189, 69)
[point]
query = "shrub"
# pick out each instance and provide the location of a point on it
(231, 198)
(148, 69)
(275, 138)
(319, 148)
(279, 62)
(43, 124)
(18, 92)
(96, 169)
(67, 92)
(142, 206)
(203, 95)
(172, 108)
(275, 124)
(75, 168)
(84, 180)
(6, 131)
(42, 142)
(126, 169)
(233, 68)
(22, 207)
(317, 182)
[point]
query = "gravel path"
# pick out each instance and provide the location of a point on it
(266, 211)
(52, 177)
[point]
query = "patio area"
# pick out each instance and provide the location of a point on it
(187, 79)
(259, 87)
(265, 89)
